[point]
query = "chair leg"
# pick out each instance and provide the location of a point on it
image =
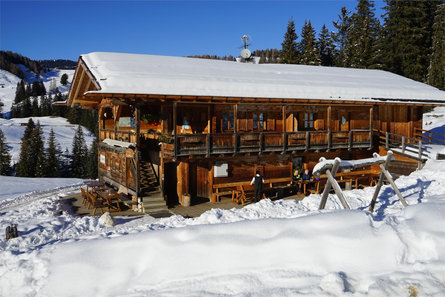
(94, 211)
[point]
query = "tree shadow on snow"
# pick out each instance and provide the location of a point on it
(384, 197)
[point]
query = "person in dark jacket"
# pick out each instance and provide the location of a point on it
(257, 181)
(306, 175)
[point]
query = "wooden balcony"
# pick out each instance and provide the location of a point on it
(264, 142)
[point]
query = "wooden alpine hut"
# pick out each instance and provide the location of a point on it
(173, 128)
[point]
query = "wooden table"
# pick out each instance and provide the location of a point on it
(110, 196)
(93, 184)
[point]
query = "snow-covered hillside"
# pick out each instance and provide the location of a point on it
(8, 83)
(270, 248)
(64, 131)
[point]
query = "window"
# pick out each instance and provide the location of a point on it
(225, 122)
(255, 121)
(309, 119)
(261, 121)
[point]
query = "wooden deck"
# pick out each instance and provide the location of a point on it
(75, 202)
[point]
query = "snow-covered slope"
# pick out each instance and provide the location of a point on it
(9, 82)
(64, 131)
(8, 85)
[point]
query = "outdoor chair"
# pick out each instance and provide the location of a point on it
(84, 196)
(96, 203)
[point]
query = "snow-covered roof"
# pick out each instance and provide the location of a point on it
(122, 73)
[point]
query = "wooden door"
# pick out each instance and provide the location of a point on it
(170, 182)
(203, 184)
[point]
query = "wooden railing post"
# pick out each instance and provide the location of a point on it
(387, 140)
(308, 140)
(419, 162)
(350, 140)
(261, 143)
(370, 139)
(329, 141)
(403, 144)
(284, 142)
(208, 144)
(235, 142)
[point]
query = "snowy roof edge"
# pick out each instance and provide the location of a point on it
(119, 73)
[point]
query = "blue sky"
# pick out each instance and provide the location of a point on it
(67, 29)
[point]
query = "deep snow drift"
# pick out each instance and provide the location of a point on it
(272, 248)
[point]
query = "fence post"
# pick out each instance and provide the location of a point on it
(387, 140)
(308, 139)
(419, 162)
(284, 142)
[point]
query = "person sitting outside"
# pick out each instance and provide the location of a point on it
(296, 177)
(306, 175)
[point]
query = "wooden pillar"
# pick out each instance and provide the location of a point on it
(137, 154)
(175, 132)
(328, 119)
(235, 128)
(284, 129)
(371, 127)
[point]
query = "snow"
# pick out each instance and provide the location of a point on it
(149, 74)
(64, 132)
(270, 248)
(347, 164)
(7, 93)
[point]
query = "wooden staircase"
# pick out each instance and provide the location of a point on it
(152, 198)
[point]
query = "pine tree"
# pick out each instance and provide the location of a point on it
(25, 108)
(35, 107)
(52, 162)
(326, 47)
(80, 155)
(362, 35)
(341, 38)
(22, 167)
(5, 157)
(37, 153)
(307, 47)
(288, 53)
(64, 79)
(20, 92)
(436, 69)
(408, 29)
(93, 159)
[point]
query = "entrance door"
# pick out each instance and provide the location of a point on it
(170, 183)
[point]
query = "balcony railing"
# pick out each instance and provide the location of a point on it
(262, 142)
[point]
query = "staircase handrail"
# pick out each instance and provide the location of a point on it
(429, 138)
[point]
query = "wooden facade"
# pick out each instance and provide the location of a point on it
(187, 138)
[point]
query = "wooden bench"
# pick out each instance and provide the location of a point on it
(238, 190)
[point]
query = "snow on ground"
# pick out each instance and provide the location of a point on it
(8, 85)
(9, 82)
(271, 248)
(435, 121)
(64, 131)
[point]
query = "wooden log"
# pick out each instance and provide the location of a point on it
(337, 189)
(380, 182)
(328, 186)
(393, 185)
